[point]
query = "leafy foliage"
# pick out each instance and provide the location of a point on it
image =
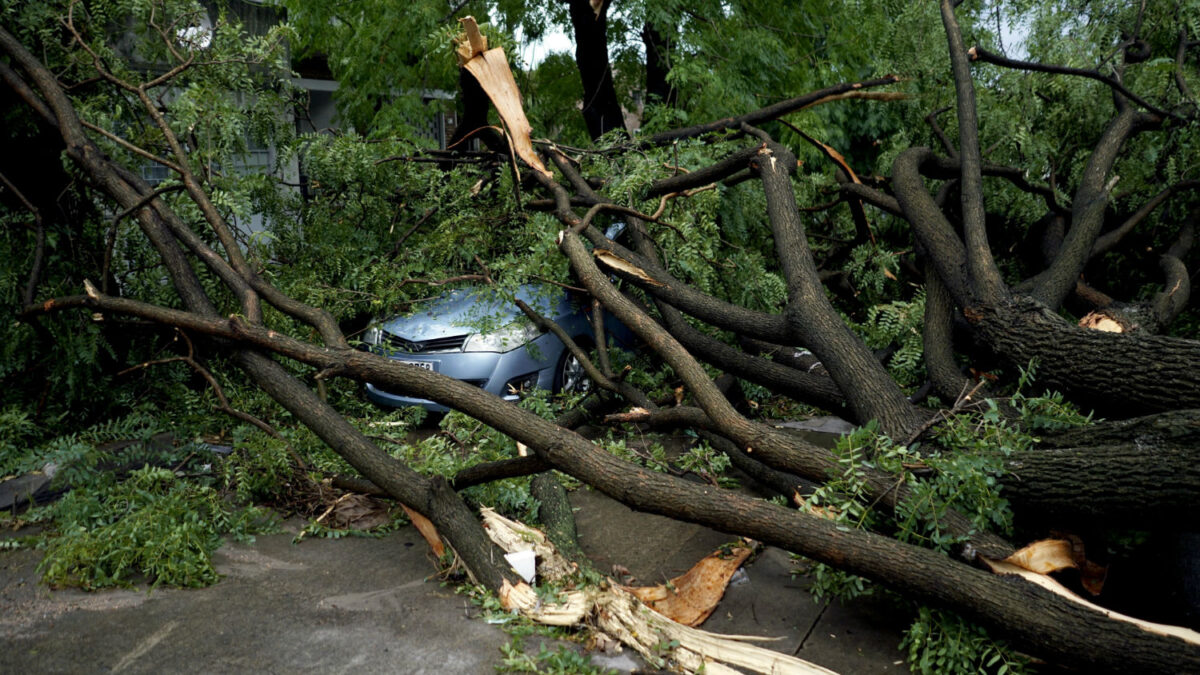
(76, 458)
(964, 471)
(152, 526)
(943, 642)
(372, 231)
(899, 323)
(562, 660)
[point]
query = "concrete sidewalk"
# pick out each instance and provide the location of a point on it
(366, 605)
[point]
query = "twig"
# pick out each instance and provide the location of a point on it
(323, 515)
(39, 250)
(222, 401)
(931, 120)
(962, 403)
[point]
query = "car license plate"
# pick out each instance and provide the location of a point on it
(427, 365)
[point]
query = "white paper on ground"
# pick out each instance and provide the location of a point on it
(524, 562)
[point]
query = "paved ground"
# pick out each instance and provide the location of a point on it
(860, 637)
(366, 605)
(371, 606)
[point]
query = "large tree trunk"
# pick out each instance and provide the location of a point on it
(1140, 485)
(1120, 374)
(658, 44)
(601, 107)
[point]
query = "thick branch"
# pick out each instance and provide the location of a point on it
(938, 334)
(985, 276)
(1138, 484)
(935, 233)
(710, 174)
(770, 327)
(869, 390)
(1087, 214)
(1118, 374)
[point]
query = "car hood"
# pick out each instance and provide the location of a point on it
(463, 310)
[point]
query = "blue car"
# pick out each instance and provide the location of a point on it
(513, 358)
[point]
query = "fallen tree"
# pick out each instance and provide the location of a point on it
(1014, 323)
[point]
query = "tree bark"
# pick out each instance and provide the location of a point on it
(1142, 485)
(1117, 374)
(557, 518)
(601, 107)
(938, 334)
(1177, 426)
(658, 44)
(869, 390)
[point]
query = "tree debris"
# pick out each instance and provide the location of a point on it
(619, 614)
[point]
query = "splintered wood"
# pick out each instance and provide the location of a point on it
(620, 615)
(1035, 561)
(427, 530)
(1102, 322)
(490, 68)
(620, 264)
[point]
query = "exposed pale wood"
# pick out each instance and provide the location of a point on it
(1003, 567)
(1043, 557)
(620, 615)
(490, 68)
(427, 530)
(691, 597)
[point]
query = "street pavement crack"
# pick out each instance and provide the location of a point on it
(811, 628)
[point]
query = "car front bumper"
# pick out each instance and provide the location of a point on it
(490, 371)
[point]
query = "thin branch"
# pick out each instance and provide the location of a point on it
(135, 149)
(978, 53)
(443, 282)
(931, 120)
(222, 401)
(39, 246)
(621, 389)
(598, 331)
(1110, 239)
(837, 92)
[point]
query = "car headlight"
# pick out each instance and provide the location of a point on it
(373, 336)
(504, 339)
